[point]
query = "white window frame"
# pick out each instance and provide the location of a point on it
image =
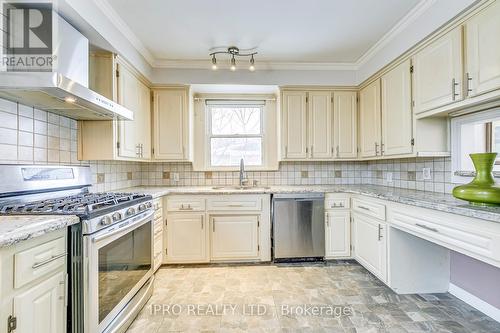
(209, 135)
(458, 175)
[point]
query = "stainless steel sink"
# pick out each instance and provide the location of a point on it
(241, 188)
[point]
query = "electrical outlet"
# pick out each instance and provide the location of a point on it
(426, 174)
(175, 176)
(388, 177)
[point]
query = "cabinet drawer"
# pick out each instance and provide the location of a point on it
(157, 204)
(370, 208)
(158, 214)
(157, 228)
(189, 204)
(234, 202)
(38, 261)
(473, 237)
(333, 201)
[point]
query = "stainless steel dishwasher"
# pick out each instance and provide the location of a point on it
(298, 226)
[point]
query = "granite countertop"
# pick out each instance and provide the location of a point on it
(18, 228)
(437, 201)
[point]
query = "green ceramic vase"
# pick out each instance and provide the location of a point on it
(482, 190)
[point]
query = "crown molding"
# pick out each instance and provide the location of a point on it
(260, 65)
(400, 26)
(125, 30)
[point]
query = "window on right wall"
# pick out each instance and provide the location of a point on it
(474, 133)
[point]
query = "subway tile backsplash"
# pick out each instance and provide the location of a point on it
(31, 136)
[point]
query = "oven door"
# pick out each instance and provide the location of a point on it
(118, 262)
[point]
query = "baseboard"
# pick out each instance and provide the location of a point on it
(475, 302)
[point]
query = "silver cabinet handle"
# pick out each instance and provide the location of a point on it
(213, 225)
(138, 149)
(326, 220)
(188, 207)
(51, 259)
(286, 151)
(337, 149)
(376, 149)
(423, 226)
(202, 221)
(312, 150)
(363, 207)
(454, 84)
(379, 232)
(468, 80)
(382, 151)
(235, 205)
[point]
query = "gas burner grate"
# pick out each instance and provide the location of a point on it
(78, 204)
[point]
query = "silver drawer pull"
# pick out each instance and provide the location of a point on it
(363, 207)
(235, 205)
(426, 227)
(45, 262)
(188, 207)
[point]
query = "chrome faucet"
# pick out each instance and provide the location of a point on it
(243, 179)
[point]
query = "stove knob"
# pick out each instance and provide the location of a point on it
(149, 204)
(130, 211)
(142, 207)
(105, 220)
(117, 217)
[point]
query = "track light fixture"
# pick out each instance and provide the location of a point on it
(234, 52)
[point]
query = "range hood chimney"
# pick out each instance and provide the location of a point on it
(64, 90)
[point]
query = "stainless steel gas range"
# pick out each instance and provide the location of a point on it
(110, 263)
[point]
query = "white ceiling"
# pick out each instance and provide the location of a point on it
(283, 31)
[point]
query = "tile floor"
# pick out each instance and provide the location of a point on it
(329, 297)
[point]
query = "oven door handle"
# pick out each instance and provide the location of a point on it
(123, 227)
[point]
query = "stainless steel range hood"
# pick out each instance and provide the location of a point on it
(64, 89)
(53, 92)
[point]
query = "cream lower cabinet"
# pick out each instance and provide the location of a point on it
(203, 228)
(337, 234)
(370, 236)
(33, 287)
(234, 237)
(187, 238)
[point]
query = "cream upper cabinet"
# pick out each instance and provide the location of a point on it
(482, 51)
(117, 139)
(438, 72)
(294, 128)
(320, 124)
(129, 130)
(345, 124)
(396, 111)
(234, 237)
(369, 120)
(171, 125)
(186, 238)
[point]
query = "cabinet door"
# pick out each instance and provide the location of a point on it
(42, 308)
(294, 125)
(370, 245)
(234, 237)
(396, 111)
(483, 51)
(144, 129)
(338, 234)
(438, 72)
(170, 124)
(369, 119)
(345, 123)
(320, 124)
(128, 96)
(186, 238)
